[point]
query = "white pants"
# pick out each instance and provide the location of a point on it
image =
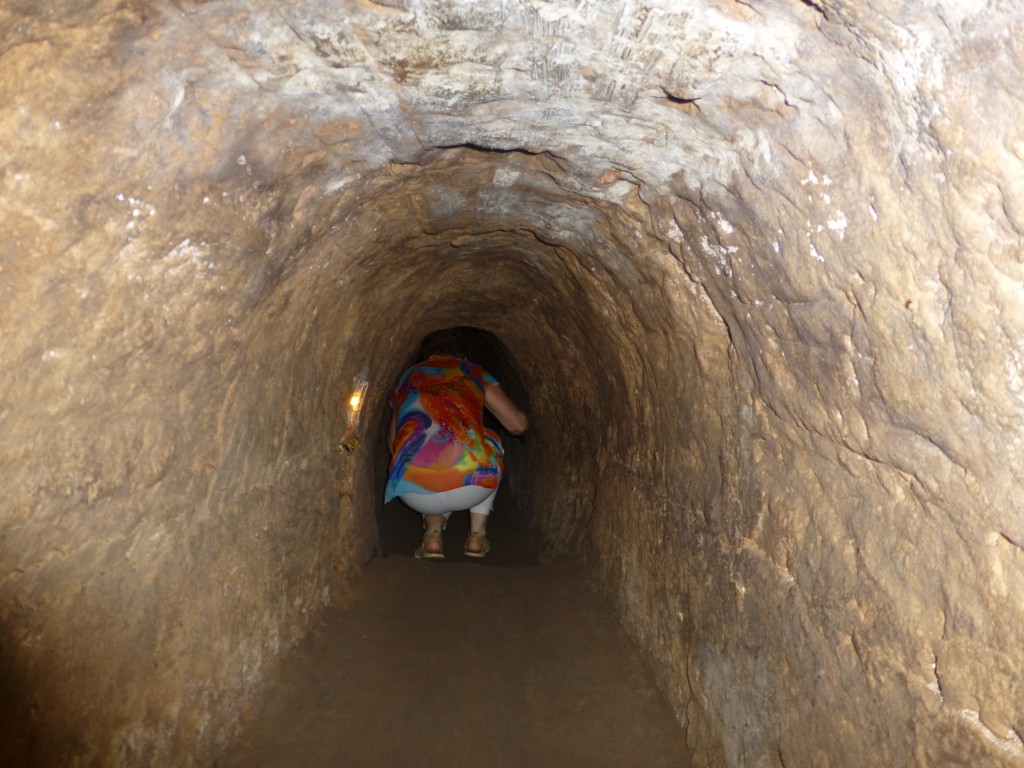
(472, 497)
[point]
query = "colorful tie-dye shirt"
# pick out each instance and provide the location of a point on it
(441, 442)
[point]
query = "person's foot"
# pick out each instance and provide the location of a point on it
(431, 548)
(477, 545)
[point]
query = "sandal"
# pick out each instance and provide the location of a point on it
(478, 540)
(421, 552)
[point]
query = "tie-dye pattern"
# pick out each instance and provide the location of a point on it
(441, 442)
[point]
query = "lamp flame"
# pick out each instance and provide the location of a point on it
(355, 401)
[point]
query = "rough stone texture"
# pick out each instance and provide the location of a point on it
(758, 267)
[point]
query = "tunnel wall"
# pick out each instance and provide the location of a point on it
(174, 517)
(758, 268)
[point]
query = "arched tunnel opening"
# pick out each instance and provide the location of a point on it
(553, 300)
(754, 268)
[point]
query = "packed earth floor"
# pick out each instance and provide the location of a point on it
(499, 662)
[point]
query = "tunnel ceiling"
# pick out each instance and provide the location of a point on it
(757, 268)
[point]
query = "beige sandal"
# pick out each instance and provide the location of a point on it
(481, 546)
(422, 554)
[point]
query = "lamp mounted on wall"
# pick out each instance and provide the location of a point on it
(356, 400)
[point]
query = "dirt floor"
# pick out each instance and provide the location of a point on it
(490, 663)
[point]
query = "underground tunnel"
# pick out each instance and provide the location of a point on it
(756, 266)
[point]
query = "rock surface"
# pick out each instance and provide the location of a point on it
(756, 266)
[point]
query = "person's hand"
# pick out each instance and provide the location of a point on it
(511, 418)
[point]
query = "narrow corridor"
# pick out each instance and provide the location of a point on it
(503, 662)
(756, 271)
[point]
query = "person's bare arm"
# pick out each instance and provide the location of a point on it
(505, 410)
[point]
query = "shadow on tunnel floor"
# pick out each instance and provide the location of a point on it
(400, 530)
